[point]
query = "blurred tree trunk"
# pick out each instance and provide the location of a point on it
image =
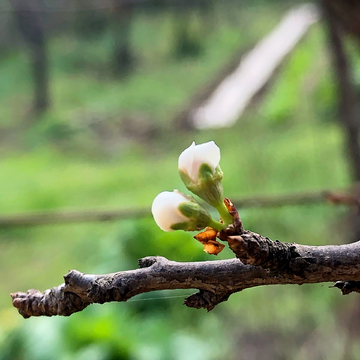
(29, 24)
(347, 13)
(188, 42)
(121, 26)
(348, 102)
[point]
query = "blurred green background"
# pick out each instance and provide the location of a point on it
(109, 137)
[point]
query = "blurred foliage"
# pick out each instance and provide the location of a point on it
(110, 143)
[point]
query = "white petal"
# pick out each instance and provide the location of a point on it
(208, 153)
(165, 209)
(194, 156)
(186, 159)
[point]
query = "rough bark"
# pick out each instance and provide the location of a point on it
(263, 262)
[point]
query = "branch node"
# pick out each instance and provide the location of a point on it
(258, 250)
(150, 260)
(205, 299)
(73, 277)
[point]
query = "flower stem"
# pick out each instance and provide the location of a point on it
(217, 225)
(225, 215)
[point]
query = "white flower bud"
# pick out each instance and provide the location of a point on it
(191, 159)
(175, 211)
(201, 173)
(165, 209)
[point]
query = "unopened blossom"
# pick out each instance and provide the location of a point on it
(192, 158)
(175, 211)
(201, 173)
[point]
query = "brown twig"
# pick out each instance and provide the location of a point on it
(344, 199)
(215, 280)
(263, 262)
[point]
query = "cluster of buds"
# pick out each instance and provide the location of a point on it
(201, 173)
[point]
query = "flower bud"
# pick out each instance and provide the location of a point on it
(201, 173)
(176, 211)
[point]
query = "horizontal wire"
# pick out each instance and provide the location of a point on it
(93, 215)
(159, 298)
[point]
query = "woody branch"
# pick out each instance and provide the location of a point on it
(263, 262)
